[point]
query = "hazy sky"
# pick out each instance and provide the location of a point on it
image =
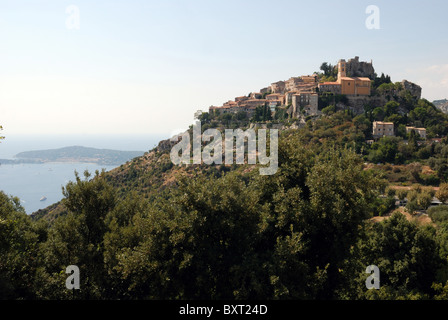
(146, 66)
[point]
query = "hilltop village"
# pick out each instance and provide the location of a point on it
(397, 132)
(336, 204)
(305, 96)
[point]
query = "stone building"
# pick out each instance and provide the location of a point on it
(278, 87)
(242, 98)
(292, 83)
(383, 129)
(306, 103)
(420, 131)
(256, 95)
(296, 84)
(276, 96)
(309, 79)
(253, 103)
(355, 86)
(333, 87)
(265, 90)
(274, 103)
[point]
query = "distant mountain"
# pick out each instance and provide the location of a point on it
(75, 154)
(442, 105)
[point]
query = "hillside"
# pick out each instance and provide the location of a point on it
(441, 104)
(149, 176)
(76, 154)
(338, 122)
(150, 229)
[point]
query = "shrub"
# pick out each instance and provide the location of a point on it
(390, 192)
(438, 214)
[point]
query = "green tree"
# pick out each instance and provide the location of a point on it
(19, 244)
(386, 150)
(378, 114)
(407, 256)
(329, 110)
(77, 238)
(391, 108)
(246, 236)
(328, 69)
(442, 193)
(334, 199)
(415, 170)
(402, 193)
(380, 80)
(424, 200)
(438, 214)
(241, 115)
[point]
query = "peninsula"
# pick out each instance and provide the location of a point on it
(74, 154)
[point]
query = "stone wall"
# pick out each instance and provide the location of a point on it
(278, 87)
(356, 68)
(265, 90)
(357, 103)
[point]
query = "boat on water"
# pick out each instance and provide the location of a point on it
(43, 198)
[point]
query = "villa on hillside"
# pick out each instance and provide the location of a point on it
(386, 129)
(420, 131)
(383, 129)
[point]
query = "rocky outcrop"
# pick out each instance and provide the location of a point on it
(356, 68)
(442, 105)
(168, 144)
(265, 90)
(413, 88)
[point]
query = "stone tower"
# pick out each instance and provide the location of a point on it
(356, 68)
(342, 69)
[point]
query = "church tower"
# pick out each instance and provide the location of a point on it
(342, 71)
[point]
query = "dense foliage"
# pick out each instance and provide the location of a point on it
(302, 233)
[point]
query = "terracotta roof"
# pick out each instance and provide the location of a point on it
(305, 93)
(381, 122)
(415, 128)
(329, 83)
(355, 78)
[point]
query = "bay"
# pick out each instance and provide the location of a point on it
(31, 182)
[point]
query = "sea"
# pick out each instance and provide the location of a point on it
(40, 185)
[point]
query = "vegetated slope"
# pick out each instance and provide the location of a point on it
(148, 176)
(296, 234)
(153, 174)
